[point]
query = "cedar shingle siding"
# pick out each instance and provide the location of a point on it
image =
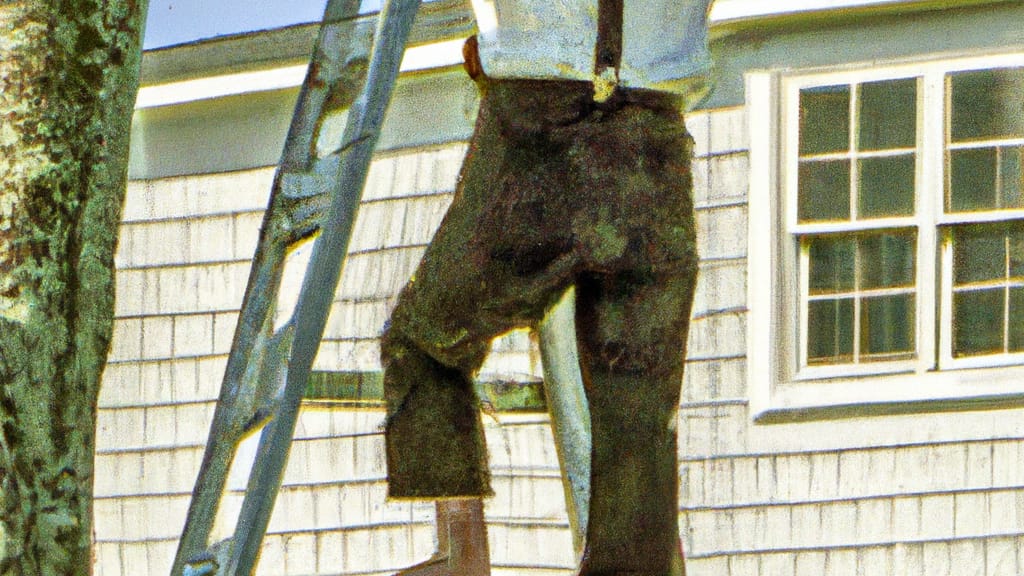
(916, 494)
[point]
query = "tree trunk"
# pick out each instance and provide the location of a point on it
(68, 78)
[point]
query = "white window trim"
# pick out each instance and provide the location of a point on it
(778, 390)
(733, 10)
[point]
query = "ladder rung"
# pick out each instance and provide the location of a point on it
(316, 182)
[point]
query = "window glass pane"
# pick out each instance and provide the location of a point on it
(987, 104)
(972, 180)
(832, 263)
(886, 187)
(978, 256)
(1016, 254)
(1016, 320)
(824, 119)
(888, 114)
(887, 325)
(978, 322)
(823, 192)
(830, 331)
(1010, 177)
(887, 260)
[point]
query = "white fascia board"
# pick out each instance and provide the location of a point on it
(436, 55)
(733, 10)
(423, 57)
(218, 86)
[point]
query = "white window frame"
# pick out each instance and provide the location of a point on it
(780, 384)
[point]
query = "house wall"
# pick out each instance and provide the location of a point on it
(921, 493)
(914, 494)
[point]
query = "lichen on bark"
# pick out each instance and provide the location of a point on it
(68, 78)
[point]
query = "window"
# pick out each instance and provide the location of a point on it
(983, 245)
(892, 219)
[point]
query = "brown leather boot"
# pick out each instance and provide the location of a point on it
(461, 541)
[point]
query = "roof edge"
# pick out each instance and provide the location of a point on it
(448, 19)
(286, 46)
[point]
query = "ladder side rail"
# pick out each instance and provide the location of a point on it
(338, 44)
(256, 318)
(362, 131)
(568, 409)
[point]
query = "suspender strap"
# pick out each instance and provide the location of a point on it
(609, 36)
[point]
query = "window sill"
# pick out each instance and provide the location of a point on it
(892, 394)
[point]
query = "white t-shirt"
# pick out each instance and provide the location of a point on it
(664, 42)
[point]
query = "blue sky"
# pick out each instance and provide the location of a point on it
(177, 21)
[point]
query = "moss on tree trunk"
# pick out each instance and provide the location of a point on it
(68, 78)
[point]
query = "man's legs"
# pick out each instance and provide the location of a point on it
(632, 335)
(552, 187)
(502, 255)
(433, 343)
(638, 248)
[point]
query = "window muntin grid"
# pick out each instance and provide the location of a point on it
(983, 240)
(986, 140)
(861, 297)
(988, 289)
(857, 164)
(855, 175)
(857, 151)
